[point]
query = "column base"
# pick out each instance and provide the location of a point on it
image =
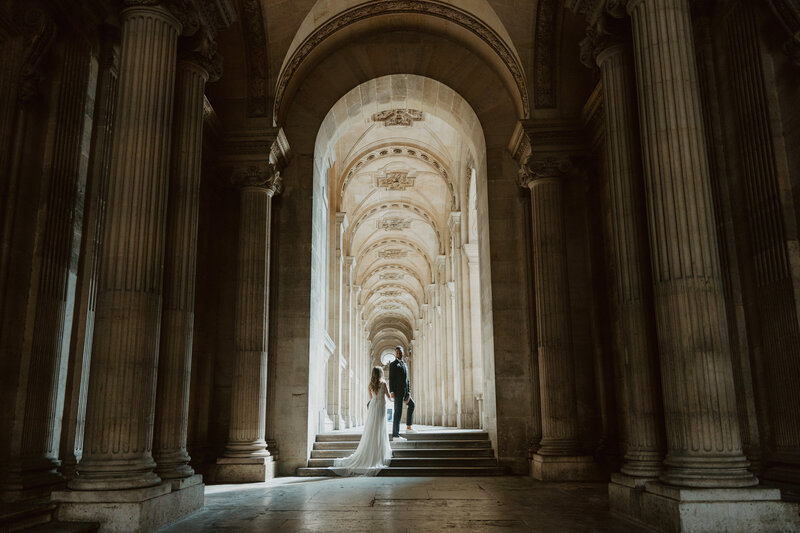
(244, 469)
(133, 510)
(700, 510)
(566, 468)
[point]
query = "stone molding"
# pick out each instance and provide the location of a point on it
(545, 55)
(373, 8)
(256, 57)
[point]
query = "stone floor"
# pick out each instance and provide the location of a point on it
(405, 505)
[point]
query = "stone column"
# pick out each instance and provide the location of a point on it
(35, 435)
(88, 267)
(559, 410)
(122, 384)
(180, 258)
(559, 455)
(246, 456)
(704, 445)
(639, 364)
(476, 335)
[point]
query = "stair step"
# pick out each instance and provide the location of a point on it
(23, 515)
(65, 527)
(439, 435)
(435, 462)
(413, 452)
(416, 472)
(409, 444)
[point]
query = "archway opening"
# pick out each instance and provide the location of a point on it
(396, 197)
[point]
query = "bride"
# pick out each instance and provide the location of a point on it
(373, 452)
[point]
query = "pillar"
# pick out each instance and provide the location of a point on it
(31, 470)
(702, 430)
(180, 258)
(559, 455)
(246, 457)
(644, 442)
(122, 385)
(74, 417)
(704, 446)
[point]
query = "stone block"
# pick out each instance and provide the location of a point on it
(135, 510)
(700, 510)
(566, 468)
(244, 470)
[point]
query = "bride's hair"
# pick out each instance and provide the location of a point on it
(376, 379)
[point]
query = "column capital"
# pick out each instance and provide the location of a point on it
(547, 149)
(210, 16)
(200, 50)
(254, 158)
(608, 35)
(787, 12)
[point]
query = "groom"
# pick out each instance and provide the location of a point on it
(400, 389)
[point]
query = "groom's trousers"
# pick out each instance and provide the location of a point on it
(398, 413)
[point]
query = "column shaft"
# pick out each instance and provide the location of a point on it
(556, 366)
(249, 389)
(119, 413)
(704, 445)
(639, 353)
(180, 258)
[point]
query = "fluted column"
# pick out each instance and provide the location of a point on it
(88, 266)
(249, 387)
(703, 441)
(180, 258)
(122, 384)
(35, 437)
(639, 355)
(556, 368)
(476, 335)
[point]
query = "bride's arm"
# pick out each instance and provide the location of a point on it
(386, 391)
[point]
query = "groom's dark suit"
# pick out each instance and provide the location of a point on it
(400, 386)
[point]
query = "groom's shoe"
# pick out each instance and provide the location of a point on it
(410, 430)
(398, 438)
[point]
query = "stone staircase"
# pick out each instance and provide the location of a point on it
(429, 453)
(38, 516)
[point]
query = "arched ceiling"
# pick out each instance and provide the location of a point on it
(398, 147)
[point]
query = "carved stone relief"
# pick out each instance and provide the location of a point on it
(392, 253)
(393, 223)
(398, 117)
(395, 181)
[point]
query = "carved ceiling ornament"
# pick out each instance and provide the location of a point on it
(390, 293)
(406, 151)
(391, 276)
(392, 253)
(395, 180)
(431, 8)
(398, 117)
(422, 213)
(393, 223)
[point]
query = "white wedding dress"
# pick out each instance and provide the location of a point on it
(374, 451)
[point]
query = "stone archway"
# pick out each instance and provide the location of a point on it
(481, 82)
